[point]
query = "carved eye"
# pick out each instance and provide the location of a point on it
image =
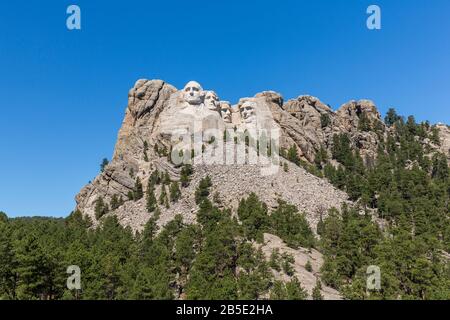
(187, 89)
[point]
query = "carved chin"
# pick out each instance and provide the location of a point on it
(249, 119)
(193, 100)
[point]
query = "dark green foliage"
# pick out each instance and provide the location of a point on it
(292, 155)
(166, 179)
(364, 122)
(254, 217)
(138, 191)
(435, 136)
(407, 185)
(130, 195)
(291, 226)
(391, 117)
(155, 178)
(308, 266)
(101, 208)
(286, 264)
(321, 158)
(186, 172)
(341, 149)
(348, 242)
(292, 290)
(274, 262)
(145, 151)
(163, 197)
(116, 202)
(295, 290)
(202, 191)
(175, 192)
(151, 199)
(316, 293)
(325, 120)
(103, 165)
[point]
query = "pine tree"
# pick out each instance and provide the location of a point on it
(325, 120)
(8, 281)
(155, 178)
(103, 165)
(287, 261)
(295, 291)
(151, 199)
(166, 179)
(364, 122)
(163, 198)
(186, 172)
(293, 156)
(175, 192)
(316, 293)
(115, 203)
(130, 195)
(138, 191)
(145, 151)
(100, 208)
(202, 191)
(254, 217)
(275, 260)
(391, 117)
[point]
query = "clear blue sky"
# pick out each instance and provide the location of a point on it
(63, 93)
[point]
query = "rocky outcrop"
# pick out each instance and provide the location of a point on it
(159, 117)
(444, 136)
(318, 124)
(312, 196)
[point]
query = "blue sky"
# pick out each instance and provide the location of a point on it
(63, 93)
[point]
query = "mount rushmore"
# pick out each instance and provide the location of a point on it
(165, 129)
(164, 125)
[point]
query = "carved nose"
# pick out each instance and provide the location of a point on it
(191, 93)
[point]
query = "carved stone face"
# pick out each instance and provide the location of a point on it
(193, 93)
(212, 101)
(247, 110)
(225, 111)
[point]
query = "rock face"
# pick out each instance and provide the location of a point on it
(160, 119)
(165, 127)
(301, 257)
(444, 135)
(312, 125)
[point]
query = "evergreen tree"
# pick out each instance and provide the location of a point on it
(103, 165)
(325, 120)
(364, 122)
(391, 117)
(202, 191)
(115, 202)
(151, 199)
(316, 293)
(295, 291)
(163, 198)
(175, 192)
(291, 226)
(138, 192)
(100, 208)
(293, 156)
(186, 172)
(253, 215)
